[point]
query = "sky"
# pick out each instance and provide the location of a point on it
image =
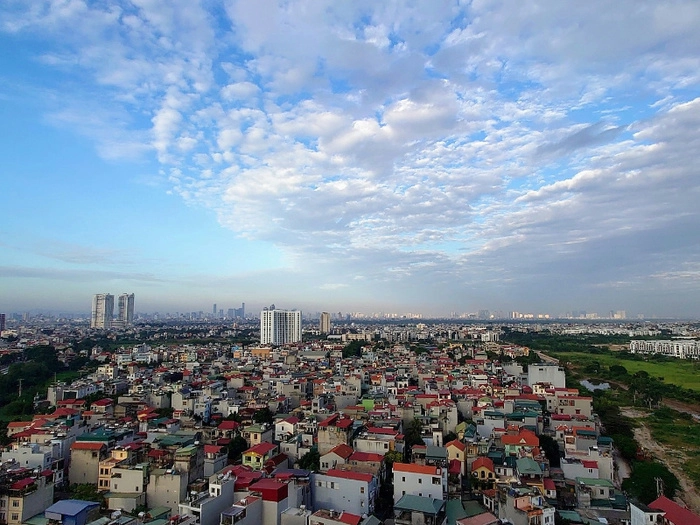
(354, 156)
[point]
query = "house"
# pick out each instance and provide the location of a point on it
(355, 492)
(338, 455)
(332, 517)
(256, 457)
(674, 514)
(457, 451)
(85, 461)
(286, 428)
(521, 444)
(411, 509)
(483, 472)
(275, 496)
(419, 480)
(72, 512)
(24, 494)
(332, 431)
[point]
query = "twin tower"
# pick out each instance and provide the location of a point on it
(103, 311)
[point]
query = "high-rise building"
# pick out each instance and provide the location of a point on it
(213, 310)
(2, 322)
(125, 316)
(102, 311)
(279, 327)
(324, 324)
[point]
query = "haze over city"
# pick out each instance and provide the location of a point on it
(351, 156)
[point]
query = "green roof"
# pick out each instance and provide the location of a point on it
(595, 482)
(435, 452)
(422, 504)
(528, 466)
(473, 508)
(454, 511)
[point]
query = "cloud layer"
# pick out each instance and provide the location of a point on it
(457, 154)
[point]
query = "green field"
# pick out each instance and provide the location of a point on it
(678, 372)
(678, 432)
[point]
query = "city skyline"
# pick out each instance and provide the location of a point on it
(352, 157)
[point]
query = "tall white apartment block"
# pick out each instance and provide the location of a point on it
(102, 311)
(325, 323)
(279, 327)
(125, 315)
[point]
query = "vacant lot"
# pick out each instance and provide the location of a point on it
(679, 372)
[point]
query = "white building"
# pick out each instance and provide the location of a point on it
(102, 311)
(419, 480)
(279, 327)
(354, 492)
(126, 310)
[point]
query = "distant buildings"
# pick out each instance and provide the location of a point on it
(279, 327)
(325, 323)
(126, 310)
(102, 311)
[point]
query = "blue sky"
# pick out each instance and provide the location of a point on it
(429, 157)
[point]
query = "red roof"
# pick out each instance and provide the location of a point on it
(415, 469)
(348, 474)
(342, 450)
(457, 444)
(588, 463)
(261, 448)
(366, 456)
(212, 449)
(674, 512)
(350, 519)
(22, 483)
(87, 445)
(482, 462)
(227, 424)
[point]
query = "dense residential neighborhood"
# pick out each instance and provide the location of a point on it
(354, 430)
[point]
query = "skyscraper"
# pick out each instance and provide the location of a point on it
(126, 310)
(325, 323)
(102, 311)
(279, 327)
(2, 322)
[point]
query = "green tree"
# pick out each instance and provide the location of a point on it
(264, 415)
(550, 447)
(87, 492)
(311, 460)
(237, 446)
(642, 483)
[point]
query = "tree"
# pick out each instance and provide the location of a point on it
(236, 448)
(412, 436)
(642, 483)
(264, 415)
(550, 447)
(311, 460)
(87, 492)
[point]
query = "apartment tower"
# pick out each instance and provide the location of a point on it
(279, 327)
(125, 315)
(102, 311)
(324, 324)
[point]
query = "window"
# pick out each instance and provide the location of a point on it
(15, 503)
(436, 481)
(362, 490)
(15, 516)
(420, 480)
(403, 478)
(386, 445)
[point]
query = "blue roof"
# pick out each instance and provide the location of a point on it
(71, 507)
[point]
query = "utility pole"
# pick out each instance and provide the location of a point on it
(20, 388)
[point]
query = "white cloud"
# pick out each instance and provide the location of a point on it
(490, 141)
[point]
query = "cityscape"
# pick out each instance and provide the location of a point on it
(310, 262)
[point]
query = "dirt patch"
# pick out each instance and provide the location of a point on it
(673, 459)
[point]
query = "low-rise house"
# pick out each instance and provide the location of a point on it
(355, 492)
(419, 480)
(335, 457)
(257, 456)
(411, 510)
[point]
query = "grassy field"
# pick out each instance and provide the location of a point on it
(679, 432)
(679, 372)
